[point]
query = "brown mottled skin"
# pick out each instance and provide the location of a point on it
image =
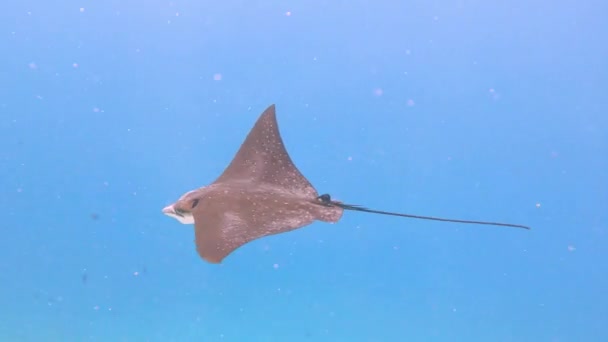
(260, 193)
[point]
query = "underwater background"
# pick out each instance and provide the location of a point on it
(482, 110)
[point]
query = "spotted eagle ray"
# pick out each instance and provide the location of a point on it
(262, 193)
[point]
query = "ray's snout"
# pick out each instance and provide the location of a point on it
(168, 210)
(182, 216)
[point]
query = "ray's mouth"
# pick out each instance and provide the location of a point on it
(172, 211)
(169, 210)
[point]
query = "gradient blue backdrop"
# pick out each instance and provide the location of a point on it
(109, 111)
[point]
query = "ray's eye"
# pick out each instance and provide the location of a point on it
(194, 203)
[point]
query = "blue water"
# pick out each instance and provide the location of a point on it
(110, 110)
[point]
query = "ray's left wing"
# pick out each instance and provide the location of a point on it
(262, 158)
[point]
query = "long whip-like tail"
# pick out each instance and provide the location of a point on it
(327, 201)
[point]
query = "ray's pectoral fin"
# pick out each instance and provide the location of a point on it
(220, 231)
(263, 159)
(217, 235)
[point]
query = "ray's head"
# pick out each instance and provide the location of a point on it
(182, 209)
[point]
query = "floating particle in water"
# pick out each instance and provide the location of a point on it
(217, 77)
(538, 205)
(33, 66)
(81, 9)
(410, 103)
(275, 266)
(75, 65)
(571, 248)
(493, 93)
(288, 13)
(378, 92)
